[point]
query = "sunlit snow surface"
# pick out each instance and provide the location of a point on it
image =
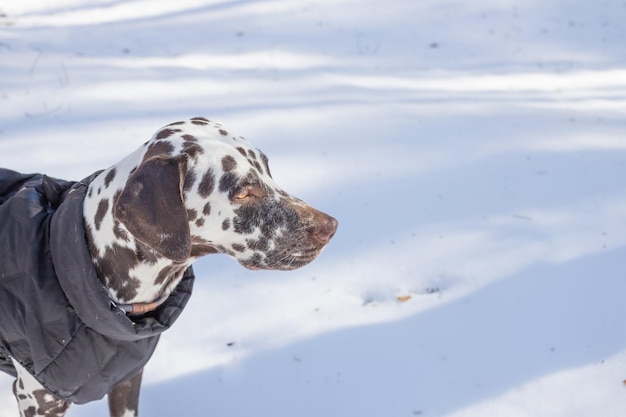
(474, 154)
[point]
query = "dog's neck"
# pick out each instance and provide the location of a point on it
(131, 271)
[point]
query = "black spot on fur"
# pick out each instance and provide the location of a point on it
(229, 163)
(109, 177)
(260, 244)
(255, 260)
(46, 404)
(258, 167)
(266, 164)
(241, 150)
(145, 254)
(192, 149)
(251, 154)
(224, 249)
(103, 208)
(200, 121)
(114, 268)
(268, 215)
(228, 182)
(238, 247)
(190, 180)
(226, 224)
(163, 148)
(200, 222)
(252, 179)
(206, 210)
(207, 184)
(192, 214)
(166, 133)
(169, 274)
(120, 233)
(223, 132)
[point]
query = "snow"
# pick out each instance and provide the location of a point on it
(473, 153)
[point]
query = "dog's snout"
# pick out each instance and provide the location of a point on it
(325, 228)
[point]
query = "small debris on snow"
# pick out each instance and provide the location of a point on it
(404, 298)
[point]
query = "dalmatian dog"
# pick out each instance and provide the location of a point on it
(193, 189)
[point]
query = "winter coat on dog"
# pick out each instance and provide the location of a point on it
(56, 318)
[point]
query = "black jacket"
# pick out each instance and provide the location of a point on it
(56, 317)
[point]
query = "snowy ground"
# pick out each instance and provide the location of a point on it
(473, 152)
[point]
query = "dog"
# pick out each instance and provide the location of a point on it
(93, 271)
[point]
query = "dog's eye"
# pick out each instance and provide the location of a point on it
(242, 195)
(248, 192)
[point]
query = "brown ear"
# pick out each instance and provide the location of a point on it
(152, 209)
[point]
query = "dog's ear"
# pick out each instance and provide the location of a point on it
(151, 207)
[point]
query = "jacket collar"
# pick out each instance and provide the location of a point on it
(86, 293)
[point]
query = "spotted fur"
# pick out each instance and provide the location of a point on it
(33, 399)
(193, 189)
(230, 202)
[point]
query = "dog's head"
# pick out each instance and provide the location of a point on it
(198, 190)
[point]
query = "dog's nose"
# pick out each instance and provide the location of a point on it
(325, 228)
